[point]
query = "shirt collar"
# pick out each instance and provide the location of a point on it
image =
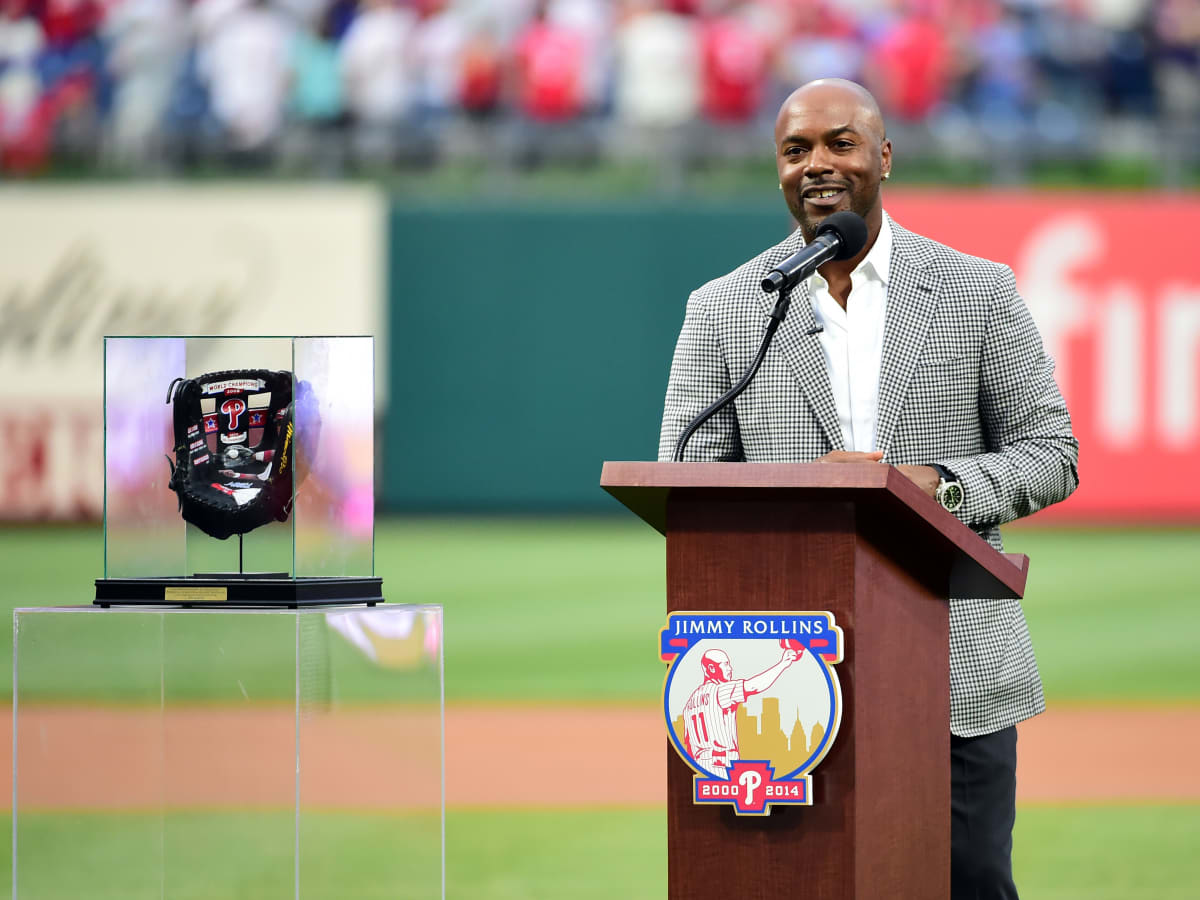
(877, 264)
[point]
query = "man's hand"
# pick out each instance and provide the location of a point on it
(850, 456)
(924, 477)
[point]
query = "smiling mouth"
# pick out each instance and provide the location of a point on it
(823, 196)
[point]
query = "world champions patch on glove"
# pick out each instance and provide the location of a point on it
(234, 432)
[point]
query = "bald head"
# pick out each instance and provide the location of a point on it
(839, 92)
(832, 153)
(716, 665)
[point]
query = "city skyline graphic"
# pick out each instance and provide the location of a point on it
(764, 736)
(786, 723)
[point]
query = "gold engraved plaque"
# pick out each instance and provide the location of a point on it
(195, 594)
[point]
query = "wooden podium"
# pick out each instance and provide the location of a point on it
(864, 543)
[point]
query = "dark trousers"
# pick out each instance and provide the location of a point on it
(983, 807)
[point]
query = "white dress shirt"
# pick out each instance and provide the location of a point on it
(852, 339)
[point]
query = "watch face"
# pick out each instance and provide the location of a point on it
(950, 495)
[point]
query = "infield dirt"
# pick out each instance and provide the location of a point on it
(572, 756)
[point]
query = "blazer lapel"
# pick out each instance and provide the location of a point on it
(912, 296)
(801, 349)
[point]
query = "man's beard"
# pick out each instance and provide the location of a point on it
(860, 203)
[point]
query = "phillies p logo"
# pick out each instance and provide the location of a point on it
(750, 781)
(233, 407)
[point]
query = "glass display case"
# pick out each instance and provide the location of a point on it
(318, 545)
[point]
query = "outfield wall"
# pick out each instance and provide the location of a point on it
(531, 344)
(520, 345)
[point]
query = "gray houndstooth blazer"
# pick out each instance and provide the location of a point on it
(964, 382)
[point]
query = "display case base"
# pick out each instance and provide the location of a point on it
(264, 589)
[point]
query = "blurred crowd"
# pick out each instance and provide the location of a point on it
(140, 83)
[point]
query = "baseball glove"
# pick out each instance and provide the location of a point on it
(234, 449)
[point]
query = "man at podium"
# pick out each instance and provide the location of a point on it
(908, 353)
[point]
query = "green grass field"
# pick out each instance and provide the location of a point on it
(569, 609)
(1100, 603)
(120, 857)
(1075, 853)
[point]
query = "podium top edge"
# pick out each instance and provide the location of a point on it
(744, 475)
(980, 571)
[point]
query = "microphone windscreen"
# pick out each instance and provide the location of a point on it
(850, 227)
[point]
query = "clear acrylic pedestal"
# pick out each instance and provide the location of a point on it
(228, 753)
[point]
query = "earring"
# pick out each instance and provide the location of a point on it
(781, 185)
(885, 175)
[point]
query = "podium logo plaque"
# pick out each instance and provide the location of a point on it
(752, 703)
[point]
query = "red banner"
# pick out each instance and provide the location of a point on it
(52, 464)
(1113, 281)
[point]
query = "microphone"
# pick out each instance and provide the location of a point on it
(840, 236)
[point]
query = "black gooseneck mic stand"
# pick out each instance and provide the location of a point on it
(777, 316)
